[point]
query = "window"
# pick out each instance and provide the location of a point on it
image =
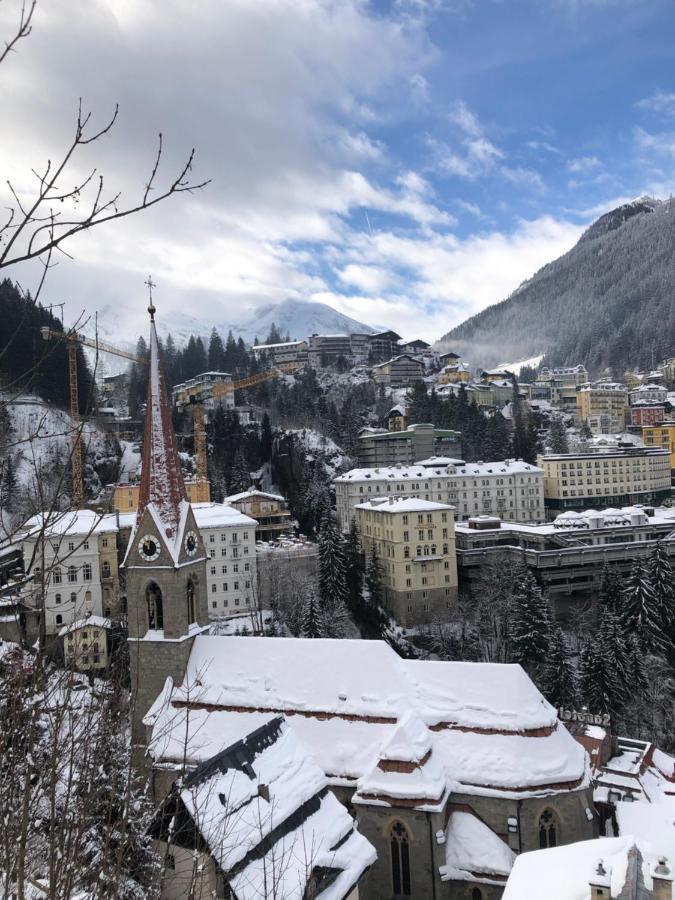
(400, 860)
(548, 831)
(212, 539)
(56, 575)
(104, 542)
(71, 545)
(59, 619)
(191, 598)
(153, 599)
(72, 574)
(86, 545)
(86, 572)
(73, 597)
(213, 570)
(58, 598)
(105, 569)
(476, 894)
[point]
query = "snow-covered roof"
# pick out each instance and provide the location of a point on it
(220, 515)
(505, 467)
(83, 522)
(264, 811)
(441, 461)
(87, 622)
(252, 492)
(423, 470)
(472, 849)
(489, 726)
(402, 504)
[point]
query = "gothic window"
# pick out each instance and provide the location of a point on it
(548, 829)
(105, 569)
(400, 860)
(191, 602)
(153, 598)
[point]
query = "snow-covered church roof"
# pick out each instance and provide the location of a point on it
(488, 727)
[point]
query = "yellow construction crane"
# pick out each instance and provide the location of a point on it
(73, 339)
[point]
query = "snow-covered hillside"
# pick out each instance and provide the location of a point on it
(299, 319)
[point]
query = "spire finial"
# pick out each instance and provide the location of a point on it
(151, 307)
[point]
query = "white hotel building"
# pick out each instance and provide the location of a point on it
(510, 489)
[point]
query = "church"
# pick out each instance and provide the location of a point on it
(450, 769)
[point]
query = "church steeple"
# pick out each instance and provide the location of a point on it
(162, 485)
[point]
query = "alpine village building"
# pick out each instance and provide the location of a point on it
(451, 769)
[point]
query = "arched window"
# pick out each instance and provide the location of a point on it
(191, 602)
(72, 574)
(400, 860)
(548, 829)
(86, 571)
(153, 598)
(105, 569)
(59, 619)
(476, 894)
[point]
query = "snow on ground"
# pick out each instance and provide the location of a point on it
(130, 464)
(515, 367)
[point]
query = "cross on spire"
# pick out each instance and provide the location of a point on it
(151, 307)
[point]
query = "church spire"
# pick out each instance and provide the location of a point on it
(162, 485)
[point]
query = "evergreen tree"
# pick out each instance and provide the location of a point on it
(558, 682)
(663, 583)
(374, 580)
(311, 621)
(602, 669)
(274, 336)
(335, 623)
(530, 624)
(641, 610)
(240, 476)
(419, 403)
(332, 569)
(354, 569)
(266, 438)
(216, 352)
(7, 483)
(557, 436)
(610, 593)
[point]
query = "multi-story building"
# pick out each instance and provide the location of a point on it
(326, 349)
(126, 494)
(454, 373)
(652, 393)
(286, 568)
(383, 345)
(414, 541)
(377, 447)
(73, 559)
(396, 419)
(229, 539)
(605, 478)
(419, 349)
(270, 511)
(85, 644)
(568, 555)
(288, 352)
(646, 412)
(488, 375)
(559, 384)
(512, 489)
(603, 405)
(662, 435)
(667, 369)
(401, 370)
(211, 389)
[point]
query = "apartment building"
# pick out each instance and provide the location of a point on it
(285, 353)
(603, 405)
(211, 389)
(605, 478)
(567, 555)
(125, 495)
(231, 575)
(85, 644)
(271, 512)
(646, 412)
(415, 543)
(400, 370)
(512, 489)
(377, 447)
(662, 434)
(72, 557)
(559, 384)
(326, 349)
(454, 373)
(653, 393)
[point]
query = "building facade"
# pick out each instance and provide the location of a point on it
(512, 489)
(398, 371)
(125, 495)
(286, 353)
(646, 412)
(662, 435)
(414, 541)
(229, 539)
(605, 478)
(270, 511)
(211, 389)
(377, 447)
(603, 405)
(86, 644)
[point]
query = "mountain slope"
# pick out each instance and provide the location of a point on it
(608, 303)
(298, 319)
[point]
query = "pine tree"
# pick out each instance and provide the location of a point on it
(663, 583)
(332, 568)
(641, 610)
(610, 592)
(354, 569)
(530, 624)
(311, 621)
(216, 352)
(419, 404)
(557, 436)
(335, 622)
(240, 476)
(7, 483)
(374, 580)
(558, 680)
(603, 674)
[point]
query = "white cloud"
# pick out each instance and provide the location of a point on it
(584, 164)
(660, 102)
(660, 143)
(524, 177)
(369, 279)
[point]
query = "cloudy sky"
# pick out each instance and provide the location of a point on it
(407, 162)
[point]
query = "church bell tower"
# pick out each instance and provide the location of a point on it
(165, 562)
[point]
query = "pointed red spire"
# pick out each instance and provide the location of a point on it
(162, 482)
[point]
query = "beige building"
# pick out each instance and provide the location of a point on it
(402, 369)
(511, 489)
(211, 389)
(377, 447)
(415, 543)
(662, 434)
(453, 374)
(603, 405)
(85, 644)
(270, 511)
(125, 496)
(605, 478)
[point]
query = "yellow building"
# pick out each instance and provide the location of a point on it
(454, 374)
(125, 496)
(414, 541)
(603, 405)
(85, 644)
(661, 435)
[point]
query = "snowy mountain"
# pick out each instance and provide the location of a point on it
(607, 303)
(299, 319)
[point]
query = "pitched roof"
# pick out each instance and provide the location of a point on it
(162, 485)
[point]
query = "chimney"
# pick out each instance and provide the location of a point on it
(600, 882)
(662, 876)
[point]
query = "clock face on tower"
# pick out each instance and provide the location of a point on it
(149, 548)
(190, 543)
